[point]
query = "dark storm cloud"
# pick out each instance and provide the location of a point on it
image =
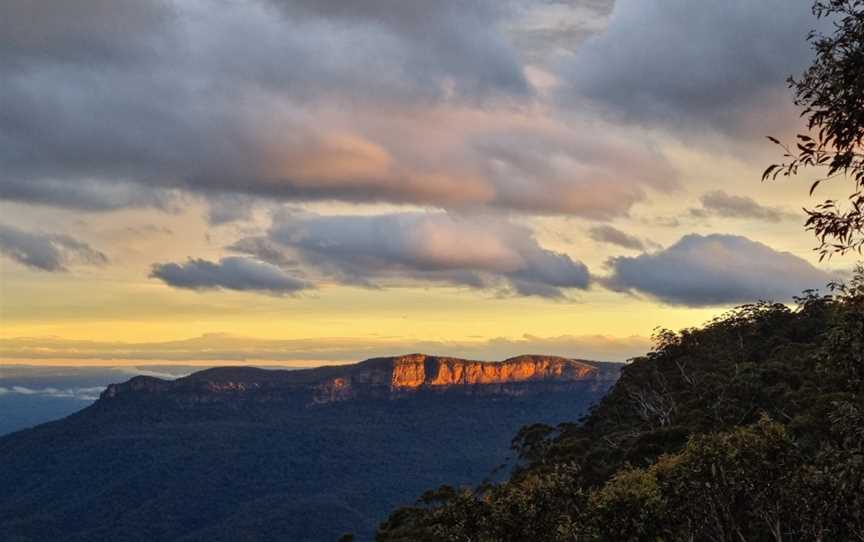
(380, 250)
(234, 273)
(128, 102)
(79, 30)
(719, 203)
(416, 44)
(715, 270)
(708, 65)
(451, 38)
(48, 252)
(614, 236)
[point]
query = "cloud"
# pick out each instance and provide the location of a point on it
(411, 47)
(223, 348)
(550, 29)
(83, 394)
(225, 208)
(263, 249)
(380, 250)
(449, 39)
(79, 30)
(85, 193)
(47, 252)
(194, 108)
(233, 273)
(678, 63)
(614, 236)
(719, 203)
(715, 270)
(163, 374)
(146, 230)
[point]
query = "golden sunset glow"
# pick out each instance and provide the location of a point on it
(515, 192)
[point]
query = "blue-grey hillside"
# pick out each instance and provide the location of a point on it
(303, 455)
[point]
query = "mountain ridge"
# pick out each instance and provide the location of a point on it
(383, 377)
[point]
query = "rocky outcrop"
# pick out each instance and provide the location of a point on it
(387, 378)
(418, 370)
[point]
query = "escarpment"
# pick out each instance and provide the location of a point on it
(378, 378)
(417, 371)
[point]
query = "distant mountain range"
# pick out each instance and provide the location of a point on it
(241, 453)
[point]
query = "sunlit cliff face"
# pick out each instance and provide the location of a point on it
(417, 371)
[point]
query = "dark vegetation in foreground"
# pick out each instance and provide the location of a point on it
(748, 429)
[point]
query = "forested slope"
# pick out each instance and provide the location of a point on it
(749, 428)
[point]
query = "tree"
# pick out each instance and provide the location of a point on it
(629, 508)
(831, 92)
(724, 486)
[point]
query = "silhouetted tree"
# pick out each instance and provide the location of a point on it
(831, 92)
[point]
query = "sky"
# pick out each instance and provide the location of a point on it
(317, 181)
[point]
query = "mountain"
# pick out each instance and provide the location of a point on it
(241, 453)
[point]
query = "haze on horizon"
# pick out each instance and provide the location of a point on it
(299, 182)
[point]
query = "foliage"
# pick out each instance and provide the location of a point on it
(749, 428)
(831, 92)
(544, 506)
